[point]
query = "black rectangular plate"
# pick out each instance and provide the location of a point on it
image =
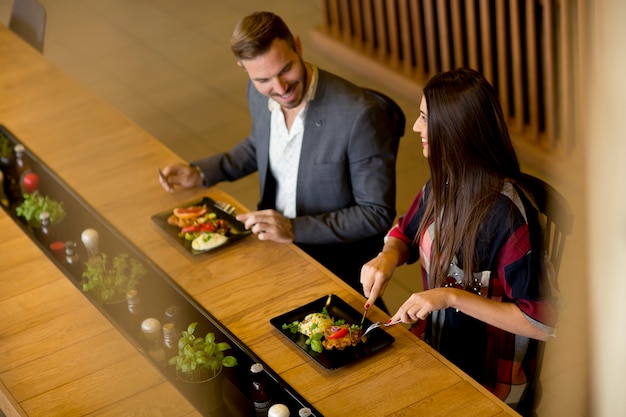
(337, 309)
(237, 229)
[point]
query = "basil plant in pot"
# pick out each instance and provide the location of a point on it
(200, 358)
(34, 204)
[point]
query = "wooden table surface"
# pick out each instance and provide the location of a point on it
(61, 357)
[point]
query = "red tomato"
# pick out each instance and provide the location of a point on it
(207, 227)
(338, 334)
(31, 182)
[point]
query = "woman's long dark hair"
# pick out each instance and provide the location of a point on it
(470, 156)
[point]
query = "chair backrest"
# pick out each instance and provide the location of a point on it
(395, 114)
(558, 216)
(559, 222)
(28, 20)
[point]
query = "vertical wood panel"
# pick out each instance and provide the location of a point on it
(485, 38)
(517, 117)
(566, 79)
(429, 19)
(381, 30)
(346, 21)
(393, 33)
(333, 14)
(457, 33)
(472, 34)
(550, 73)
(502, 68)
(532, 69)
(368, 27)
(405, 16)
(419, 49)
(444, 35)
(357, 24)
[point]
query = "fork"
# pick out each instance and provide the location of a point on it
(225, 207)
(377, 325)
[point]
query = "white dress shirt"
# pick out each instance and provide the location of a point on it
(285, 146)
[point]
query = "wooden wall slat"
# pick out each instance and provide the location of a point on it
(457, 33)
(445, 39)
(485, 37)
(471, 20)
(381, 30)
(419, 49)
(393, 33)
(516, 120)
(532, 70)
(357, 24)
(346, 21)
(368, 27)
(405, 16)
(550, 72)
(429, 24)
(501, 61)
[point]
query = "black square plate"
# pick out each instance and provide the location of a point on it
(236, 232)
(337, 309)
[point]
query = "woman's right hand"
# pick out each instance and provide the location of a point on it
(375, 276)
(179, 175)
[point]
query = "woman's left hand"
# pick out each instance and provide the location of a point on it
(419, 305)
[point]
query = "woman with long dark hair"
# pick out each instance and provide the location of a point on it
(486, 300)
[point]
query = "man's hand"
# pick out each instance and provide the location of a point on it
(268, 225)
(179, 175)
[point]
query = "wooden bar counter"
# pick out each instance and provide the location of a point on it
(60, 356)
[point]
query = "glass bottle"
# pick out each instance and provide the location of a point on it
(151, 329)
(170, 340)
(172, 315)
(45, 233)
(135, 311)
(73, 262)
(11, 184)
(260, 396)
(22, 167)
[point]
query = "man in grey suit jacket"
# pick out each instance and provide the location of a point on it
(323, 149)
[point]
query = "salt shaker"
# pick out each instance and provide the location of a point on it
(91, 240)
(151, 329)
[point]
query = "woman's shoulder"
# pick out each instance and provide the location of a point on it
(513, 200)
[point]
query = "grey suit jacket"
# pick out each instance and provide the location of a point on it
(346, 178)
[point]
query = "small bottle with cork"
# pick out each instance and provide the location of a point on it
(261, 397)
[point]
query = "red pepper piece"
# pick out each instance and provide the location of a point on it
(189, 229)
(338, 334)
(207, 227)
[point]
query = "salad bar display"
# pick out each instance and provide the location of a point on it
(157, 316)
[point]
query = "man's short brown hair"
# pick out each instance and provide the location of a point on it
(254, 34)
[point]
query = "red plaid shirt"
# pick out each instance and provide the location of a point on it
(511, 269)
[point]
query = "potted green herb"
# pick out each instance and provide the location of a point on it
(199, 365)
(200, 358)
(34, 204)
(110, 283)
